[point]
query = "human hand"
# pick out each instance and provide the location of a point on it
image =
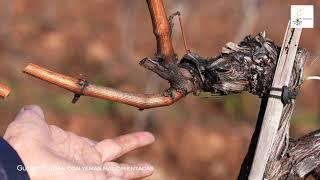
(49, 152)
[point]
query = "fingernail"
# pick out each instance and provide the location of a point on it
(34, 108)
(147, 136)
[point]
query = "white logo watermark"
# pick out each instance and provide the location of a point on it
(302, 16)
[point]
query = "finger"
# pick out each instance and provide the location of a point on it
(128, 171)
(112, 149)
(29, 121)
(34, 109)
(30, 113)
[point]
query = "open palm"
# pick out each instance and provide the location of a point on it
(49, 152)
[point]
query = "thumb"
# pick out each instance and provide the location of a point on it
(30, 112)
(33, 111)
(29, 121)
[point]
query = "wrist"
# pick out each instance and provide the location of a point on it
(11, 162)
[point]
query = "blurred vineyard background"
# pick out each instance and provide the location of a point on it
(197, 138)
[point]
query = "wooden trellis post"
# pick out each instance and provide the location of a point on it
(275, 105)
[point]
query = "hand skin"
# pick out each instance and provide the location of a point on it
(45, 148)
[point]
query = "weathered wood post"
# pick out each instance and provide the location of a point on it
(275, 105)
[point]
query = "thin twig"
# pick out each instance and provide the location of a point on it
(4, 91)
(313, 78)
(183, 35)
(161, 29)
(181, 28)
(140, 101)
